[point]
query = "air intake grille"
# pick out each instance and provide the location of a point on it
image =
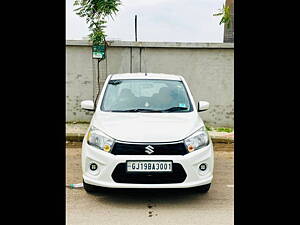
(121, 176)
(140, 149)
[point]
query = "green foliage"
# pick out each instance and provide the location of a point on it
(219, 129)
(208, 128)
(96, 12)
(224, 129)
(226, 16)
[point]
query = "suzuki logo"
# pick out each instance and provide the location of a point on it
(149, 149)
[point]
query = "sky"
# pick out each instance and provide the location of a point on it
(158, 20)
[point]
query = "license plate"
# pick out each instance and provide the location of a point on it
(149, 166)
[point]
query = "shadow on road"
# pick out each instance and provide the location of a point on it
(163, 196)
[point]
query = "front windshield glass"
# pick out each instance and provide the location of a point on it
(146, 95)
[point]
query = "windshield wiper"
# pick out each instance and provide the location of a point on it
(137, 110)
(175, 109)
(172, 109)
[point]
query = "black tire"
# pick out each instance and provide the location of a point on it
(203, 189)
(89, 188)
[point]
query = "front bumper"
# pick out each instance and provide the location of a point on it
(107, 162)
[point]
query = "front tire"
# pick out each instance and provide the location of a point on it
(203, 189)
(89, 188)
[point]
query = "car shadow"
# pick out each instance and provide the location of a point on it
(127, 197)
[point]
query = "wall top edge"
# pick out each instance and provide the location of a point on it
(140, 44)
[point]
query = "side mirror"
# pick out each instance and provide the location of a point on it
(203, 106)
(88, 105)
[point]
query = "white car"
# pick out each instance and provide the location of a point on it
(146, 133)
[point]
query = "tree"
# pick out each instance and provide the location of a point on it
(226, 16)
(96, 13)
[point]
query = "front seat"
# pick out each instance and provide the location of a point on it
(126, 99)
(163, 99)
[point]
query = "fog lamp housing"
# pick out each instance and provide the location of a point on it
(203, 166)
(93, 166)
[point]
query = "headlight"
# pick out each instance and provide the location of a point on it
(96, 138)
(197, 140)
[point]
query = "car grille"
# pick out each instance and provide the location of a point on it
(140, 149)
(121, 176)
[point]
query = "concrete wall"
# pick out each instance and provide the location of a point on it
(79, 81)
(207, 68)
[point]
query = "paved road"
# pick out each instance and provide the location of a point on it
(140, 207)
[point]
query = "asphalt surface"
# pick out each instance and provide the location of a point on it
(155, 207)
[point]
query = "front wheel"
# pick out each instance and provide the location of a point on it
(203, 189)
(89, 188)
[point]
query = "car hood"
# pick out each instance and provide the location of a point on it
(147, 127)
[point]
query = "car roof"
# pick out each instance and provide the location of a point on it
(145, 76)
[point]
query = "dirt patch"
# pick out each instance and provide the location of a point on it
(223, 147)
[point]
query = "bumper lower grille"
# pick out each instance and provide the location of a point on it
(140, 149)
(121, 176)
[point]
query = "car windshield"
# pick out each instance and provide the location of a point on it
(146, 95)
